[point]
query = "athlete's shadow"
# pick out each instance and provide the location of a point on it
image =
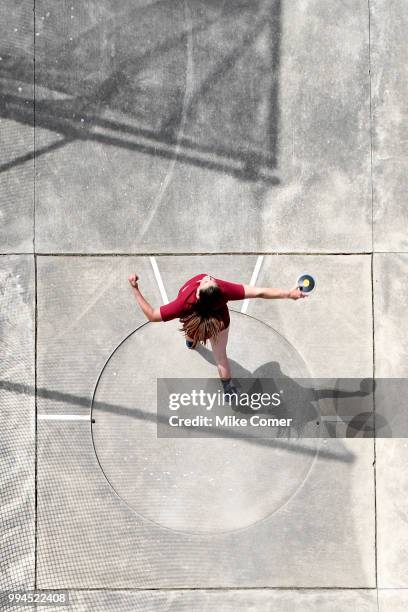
(304, 401)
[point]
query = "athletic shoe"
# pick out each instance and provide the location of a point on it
(229, 390)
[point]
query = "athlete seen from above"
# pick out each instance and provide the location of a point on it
(201, 306)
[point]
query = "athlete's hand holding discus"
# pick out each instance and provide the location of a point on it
(296, 294)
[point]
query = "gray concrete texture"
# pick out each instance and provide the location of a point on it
(391, 337)
(393, 600)
(251, 110)
(205, 133)
(389, 103)
(250, 600)
(17, 421)
(98, 313)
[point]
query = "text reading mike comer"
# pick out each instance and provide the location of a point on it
(228, 421)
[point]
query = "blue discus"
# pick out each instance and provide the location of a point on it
(306, 283)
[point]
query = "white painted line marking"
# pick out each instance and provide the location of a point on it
(63, 417)
(159, 280)
(253, 280)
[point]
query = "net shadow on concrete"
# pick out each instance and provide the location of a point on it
(197, 82)
(134, 413)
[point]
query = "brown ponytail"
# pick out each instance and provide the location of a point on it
(200, 328)
(205, 320)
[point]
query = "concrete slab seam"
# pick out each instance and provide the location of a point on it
(371, 124)
(372, 294)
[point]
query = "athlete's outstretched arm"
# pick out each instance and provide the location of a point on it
(152, 314)
(269, 293)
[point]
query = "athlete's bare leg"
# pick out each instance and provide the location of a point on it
(219, 349)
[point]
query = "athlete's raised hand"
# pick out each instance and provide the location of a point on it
(133, 278)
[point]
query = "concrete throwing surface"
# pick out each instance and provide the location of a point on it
(218, 137)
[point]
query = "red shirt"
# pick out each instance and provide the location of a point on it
(186, 298)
